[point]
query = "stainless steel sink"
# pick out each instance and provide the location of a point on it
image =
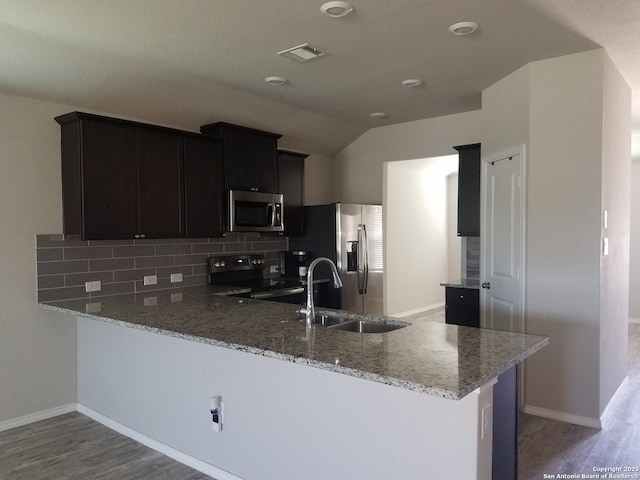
(363, 326)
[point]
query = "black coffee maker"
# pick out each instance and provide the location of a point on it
(296, 263)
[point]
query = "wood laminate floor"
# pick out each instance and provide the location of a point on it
(551, 447)
(74, 447)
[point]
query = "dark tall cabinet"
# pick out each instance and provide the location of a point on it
(291, 180)
(250, 157)
(462, 306)
(469, 190)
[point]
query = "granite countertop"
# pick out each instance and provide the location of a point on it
(471, 283)
(448, 361)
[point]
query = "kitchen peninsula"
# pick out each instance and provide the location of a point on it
(298, 403)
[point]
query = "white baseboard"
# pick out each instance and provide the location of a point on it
(614, 400)
(419, 310)
(177, 455)
(36, 417)
(634, 320)
(564, 417)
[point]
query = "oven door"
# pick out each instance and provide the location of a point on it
(255, 212)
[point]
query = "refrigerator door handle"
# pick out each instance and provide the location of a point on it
(361, 261)
(365, 258)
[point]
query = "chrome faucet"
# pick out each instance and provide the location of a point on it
(309, 311)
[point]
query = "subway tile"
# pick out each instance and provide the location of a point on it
(66, 293)
(49, 254)
(273, 255)
(249, 236)
(56, 240)
(266, 246)
(193, 241)
(190, 259)
(176, 249)
(152, 262)
(115, 289)
(82, 253)
(132, 275)
(111, 264)
(158, 241)
(194, 280)
(167, 271)
(237, 247)
(134, 251)
(71, 266)
(208, 248)
(50, 281)
(200, 269)
(73, 279)
(94, 243)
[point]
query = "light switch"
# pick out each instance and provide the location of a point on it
(150, 279)
(605, 246)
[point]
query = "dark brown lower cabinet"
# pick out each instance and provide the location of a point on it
(462, 306)
(505, 426)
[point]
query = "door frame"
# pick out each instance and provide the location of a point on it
(485, 160)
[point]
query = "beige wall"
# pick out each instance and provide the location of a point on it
(358, 168)
(37, 347)
(318, 180)
(614, 274)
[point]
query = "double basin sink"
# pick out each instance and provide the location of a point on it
(350, 324)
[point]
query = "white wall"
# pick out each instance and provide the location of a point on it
(281, 420)
(358, 168)
(37, 348)
(416, 236)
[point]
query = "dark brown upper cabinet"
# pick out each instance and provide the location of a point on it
(291, 178)
(469, 190)
(203, 187)
(123, 180)
(250, 157)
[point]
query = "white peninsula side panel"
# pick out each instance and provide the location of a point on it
(281, 420)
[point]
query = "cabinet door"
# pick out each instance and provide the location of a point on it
(469, 190)
(462, 307)
(263, 164)
(291, 180)
(203, 179)
(160, 192)
(109, 190)
(236, 160)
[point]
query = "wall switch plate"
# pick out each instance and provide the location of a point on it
(93, 286)
(176, 277)
(150, 279)
(605, 246)
(605, 219)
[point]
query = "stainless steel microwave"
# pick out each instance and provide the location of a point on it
(255, 212)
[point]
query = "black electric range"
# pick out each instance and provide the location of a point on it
(247, 271)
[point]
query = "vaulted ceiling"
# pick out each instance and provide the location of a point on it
(190, 62)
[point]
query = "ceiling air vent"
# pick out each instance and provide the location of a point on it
(303, 53)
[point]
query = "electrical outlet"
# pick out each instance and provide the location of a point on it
(150, 279)
(176, 277)
(150, 301)
(93, 286)
(274, 269)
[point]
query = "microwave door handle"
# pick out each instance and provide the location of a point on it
(271, 213)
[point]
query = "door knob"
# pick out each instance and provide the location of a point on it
(486, 285)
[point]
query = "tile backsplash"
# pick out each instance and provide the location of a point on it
(473, 258)
(64, 264)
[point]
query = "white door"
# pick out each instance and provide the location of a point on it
(502, 243)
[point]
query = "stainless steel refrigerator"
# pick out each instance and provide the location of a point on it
(351, 235)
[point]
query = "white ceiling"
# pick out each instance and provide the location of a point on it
(190, 62)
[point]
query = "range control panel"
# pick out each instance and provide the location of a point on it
(234, 263)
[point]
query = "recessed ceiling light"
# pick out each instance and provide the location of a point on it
(275, 81)
(463, 28)
(378, 115)
(412, 82)
(303, 53)
(336, 9)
